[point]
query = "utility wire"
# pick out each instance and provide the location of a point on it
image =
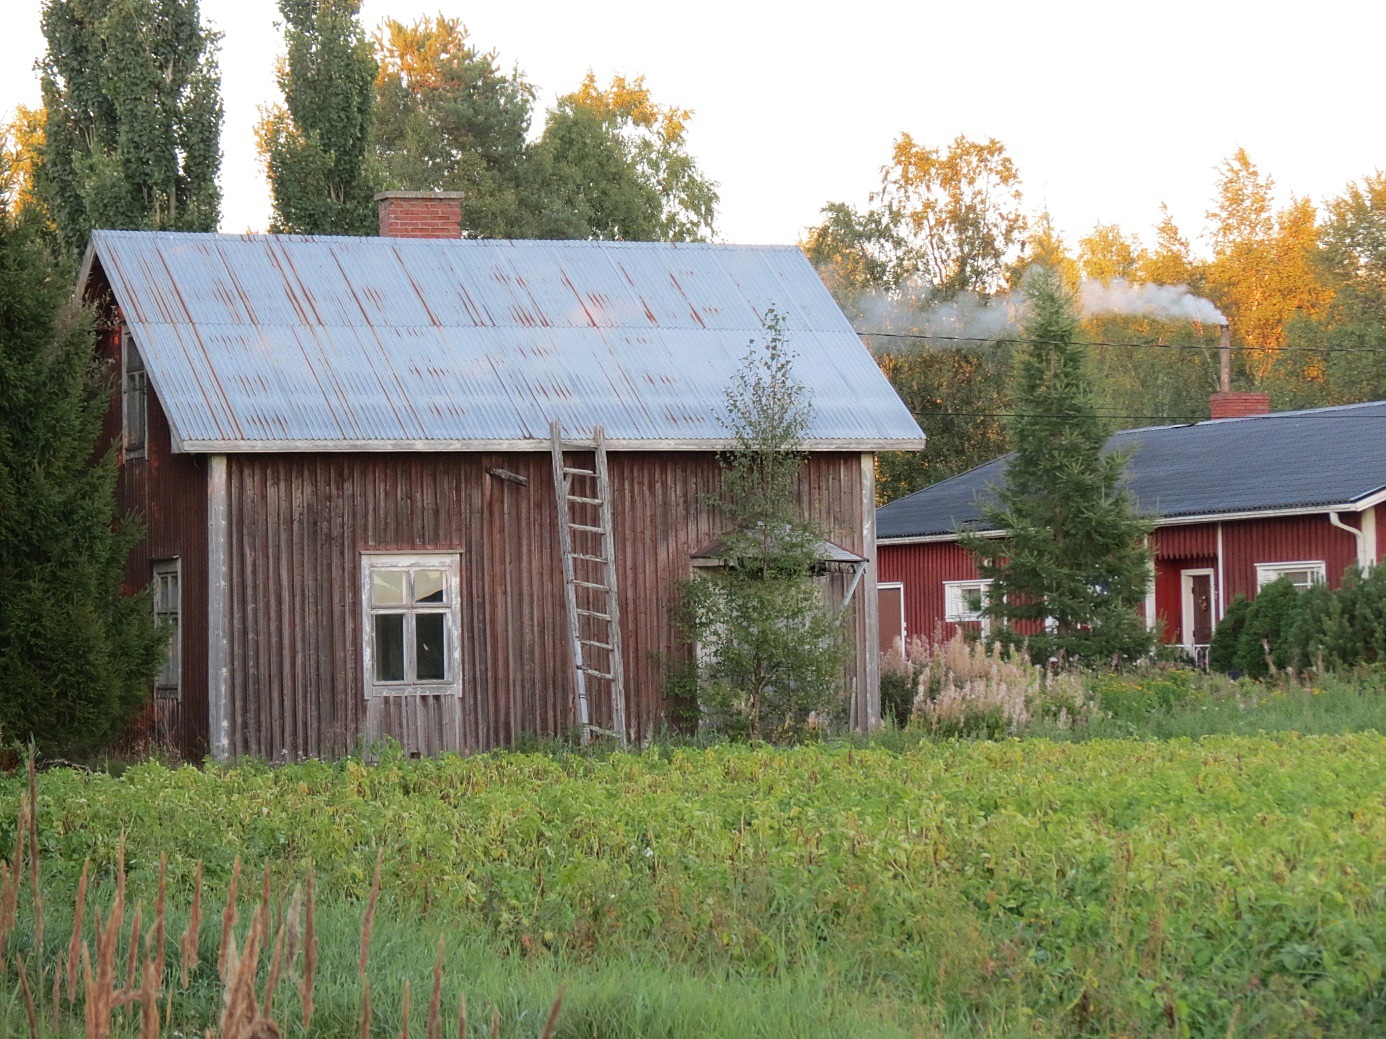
(1140, 346)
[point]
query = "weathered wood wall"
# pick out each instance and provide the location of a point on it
(299, 523)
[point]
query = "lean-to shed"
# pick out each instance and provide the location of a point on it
(341, 451)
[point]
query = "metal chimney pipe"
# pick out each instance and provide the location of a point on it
(1225, 359)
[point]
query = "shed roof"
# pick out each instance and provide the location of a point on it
(1281, 463)
(287, 343)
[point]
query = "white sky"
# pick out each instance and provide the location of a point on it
(1108, 108)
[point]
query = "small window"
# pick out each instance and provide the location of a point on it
(964, 602)
(412, 623)
(168, 609)
(1302, 575)
(134, 398)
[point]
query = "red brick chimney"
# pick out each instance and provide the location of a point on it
(420, 214)
(1239, 404)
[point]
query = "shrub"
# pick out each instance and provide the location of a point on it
(1222, 652)
(964, 689)
(1263, 644)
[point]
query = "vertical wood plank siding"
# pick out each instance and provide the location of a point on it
(922, 569)
(299, 526)
(1286, 539)
(167, 493)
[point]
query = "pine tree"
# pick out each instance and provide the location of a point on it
(314, 145)
(133, 101)
(76, 657)
(1074, 562)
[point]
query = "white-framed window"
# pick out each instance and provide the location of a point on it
(134, 398)
(168, 614)
(963, 601)
(411, 623)
(1301, 574)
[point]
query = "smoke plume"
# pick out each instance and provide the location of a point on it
(1166, 302)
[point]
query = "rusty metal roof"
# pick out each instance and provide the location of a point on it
(287, 343)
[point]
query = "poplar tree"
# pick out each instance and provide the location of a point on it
(314, 144)
(76, 657)
(132, 96)
(1073, 564)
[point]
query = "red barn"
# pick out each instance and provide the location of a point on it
(1236, 503)
(359, 519)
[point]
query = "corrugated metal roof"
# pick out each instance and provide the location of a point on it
(1287, 461)
(278, 342)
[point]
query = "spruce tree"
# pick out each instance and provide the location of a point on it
(76, 657)
(1073, 563)
(133, 101)
(771, 650)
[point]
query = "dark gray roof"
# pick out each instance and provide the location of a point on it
(1286, 461)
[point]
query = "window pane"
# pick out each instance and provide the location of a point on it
(387, 587)
(389, 647)
(429, 656)
(429, 586)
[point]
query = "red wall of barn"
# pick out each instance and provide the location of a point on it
(299, 523)
(922, 569)
(167, 494)
(1285, 540)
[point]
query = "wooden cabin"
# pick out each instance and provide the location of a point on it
(355, 507)
(1236, 502)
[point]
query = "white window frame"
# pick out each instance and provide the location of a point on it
(168, 612)
(134, 398)
(955, 608)
(450, 609)
(1268, 572)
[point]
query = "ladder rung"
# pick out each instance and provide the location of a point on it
(590, 559)
(596, 645)
(572, 471)
(577, 445)
(585, 501)
(590, 530)
(593, 672)
(593, 613)
(590, 584)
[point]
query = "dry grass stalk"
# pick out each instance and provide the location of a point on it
(132, 954)
(187, 944)
(240, 1018)
(310, 955)
(495, 1022)
(404, 1023)
(276, 965)
(435, 1026)
(462, 1018)
(56, 1008)
(228, 916)
(551, 1025)
(34, 860)
(149, 998)
(30, 1010)
(74, 944)
(11, 876)
(365, 1008)
(160, 905)
(369, 923)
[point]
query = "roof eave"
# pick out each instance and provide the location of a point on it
(217, 447)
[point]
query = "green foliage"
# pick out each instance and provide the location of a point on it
(1073, 572)
(446, 118)
(771, 649)
(1264, 643)
(614, 164)
(76, 657)
(950, 888)
(132, 95)
(314, 145)
(1222, 651)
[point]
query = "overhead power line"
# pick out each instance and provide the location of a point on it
(1205, 347)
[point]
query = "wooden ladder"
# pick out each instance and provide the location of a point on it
(589, 577)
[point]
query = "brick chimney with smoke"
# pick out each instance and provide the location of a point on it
(420, 214)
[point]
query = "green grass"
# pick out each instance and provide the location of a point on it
(1226, 886)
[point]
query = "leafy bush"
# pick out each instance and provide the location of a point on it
(1222, 651)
